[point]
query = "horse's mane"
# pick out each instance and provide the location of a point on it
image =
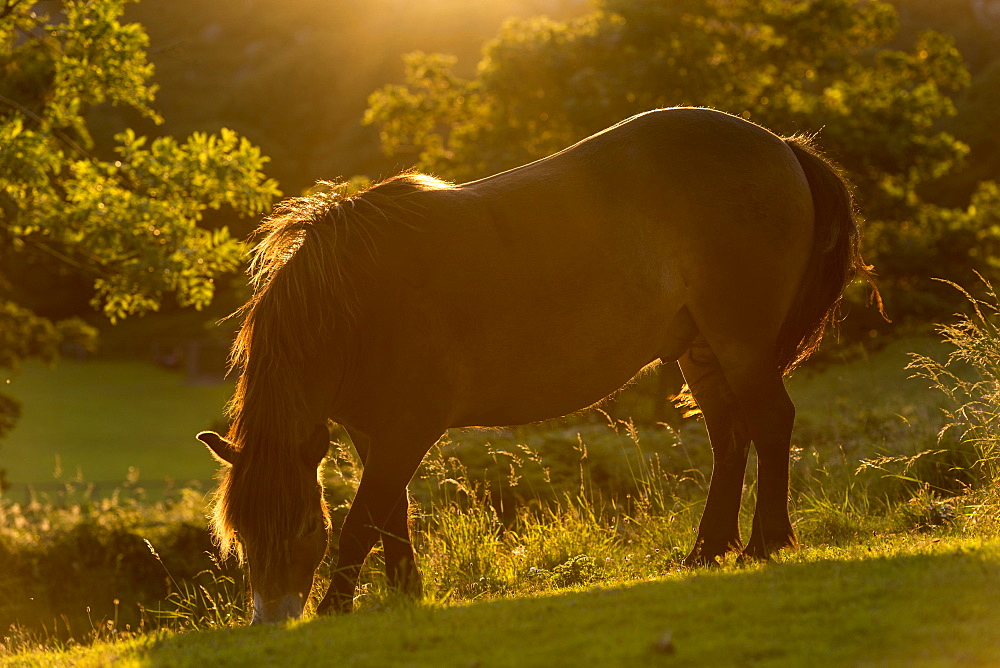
(303, 273)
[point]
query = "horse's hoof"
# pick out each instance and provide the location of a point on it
(748, 558)
(758, 551)
(712, 552)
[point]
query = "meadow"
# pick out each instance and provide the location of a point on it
(569, 536)
(819, 607)
(93, 420)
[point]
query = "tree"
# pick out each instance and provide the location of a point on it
(791, 65)
(128, 222)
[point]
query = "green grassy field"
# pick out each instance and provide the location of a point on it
(581, 567)
(95, 419)
(893, 602)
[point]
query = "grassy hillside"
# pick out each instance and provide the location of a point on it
(564, 541)
(896, 602)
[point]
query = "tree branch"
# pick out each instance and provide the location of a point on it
(8, 7)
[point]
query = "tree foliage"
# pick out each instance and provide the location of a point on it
(126, 222)
(791, 65)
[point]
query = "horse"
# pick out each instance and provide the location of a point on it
(681, 235)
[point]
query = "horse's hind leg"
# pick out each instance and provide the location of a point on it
(719, 530)
(768, 414)
(771, 429)
(741, 322)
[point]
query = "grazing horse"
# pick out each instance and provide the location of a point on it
(679, 235)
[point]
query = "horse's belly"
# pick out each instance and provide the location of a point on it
(536, 405)
(536, 387)
(545, 358)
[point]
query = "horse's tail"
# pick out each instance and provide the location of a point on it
(834, 263)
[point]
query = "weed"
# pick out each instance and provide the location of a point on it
(925, 511)
(834, 520)
(970, 379)
(211, 599)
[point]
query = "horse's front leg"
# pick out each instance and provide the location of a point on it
(400, 561)
(379, 511)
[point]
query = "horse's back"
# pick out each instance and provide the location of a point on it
(595, 258)
(685, 167)
(680, 142)
(675, 200)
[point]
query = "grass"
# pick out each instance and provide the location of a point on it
(873, 393)
(894, 602)
(94, 420)
(561, 543)
(862, 409)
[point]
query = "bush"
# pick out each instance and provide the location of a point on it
(81, 568)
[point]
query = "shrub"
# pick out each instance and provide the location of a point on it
(79, 568)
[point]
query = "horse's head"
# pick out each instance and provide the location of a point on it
(271, 513)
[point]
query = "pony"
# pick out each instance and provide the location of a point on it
(681, 235)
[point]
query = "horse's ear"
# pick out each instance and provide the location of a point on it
(317, 447)
(221, 449)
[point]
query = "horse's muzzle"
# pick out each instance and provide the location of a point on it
(272, 612)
